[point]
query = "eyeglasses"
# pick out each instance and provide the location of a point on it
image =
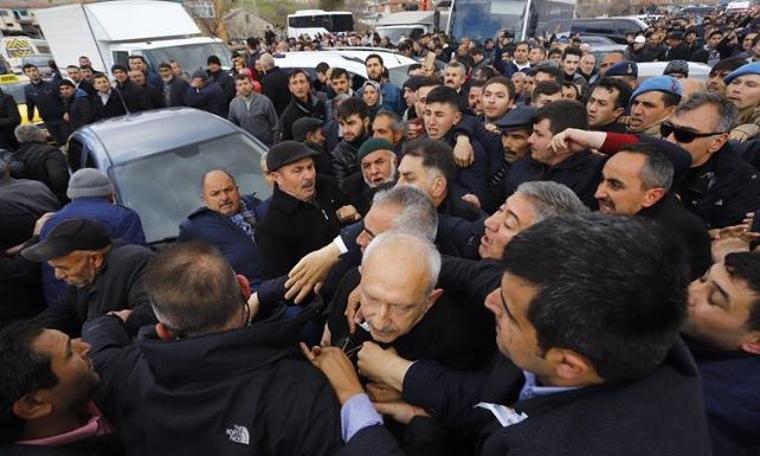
(682, 135)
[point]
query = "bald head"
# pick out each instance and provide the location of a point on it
(399, 273)
(691, 86)
(220, 192)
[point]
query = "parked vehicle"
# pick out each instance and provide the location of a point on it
(615, 28)
(312, 22)
(697, 70)
(14, 86)
(351, 59)
(481, 19)
(109, 32)
(156, 159)
(410, 24)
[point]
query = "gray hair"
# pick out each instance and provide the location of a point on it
(29, 133)
(727, 112)
(418, 214)
(458, 65)
(267, 61)
(551, 199)
(411, 244)
(657, 171)
(395, 120)
(263, 162)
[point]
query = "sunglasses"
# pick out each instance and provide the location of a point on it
(682, 135)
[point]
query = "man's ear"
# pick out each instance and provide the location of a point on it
(457, 117)
(439, 187)
(752, 344)
(571, 367)
(652, 196)
(245, 286)
(433, 298)
(32, 406)
(163, 332)
(619, 112)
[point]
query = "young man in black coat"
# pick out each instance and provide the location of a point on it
(107, 102)
(220, 77)
(614, 379)
(9, 119)
(129, 91)
(724, 337)
(303, 103)
(221, 377)
(578, 169)
(77, 106)
(43, 95)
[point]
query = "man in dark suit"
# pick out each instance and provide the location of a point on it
(613, 379)
(174, 88)
(637, 181)
(106, 103)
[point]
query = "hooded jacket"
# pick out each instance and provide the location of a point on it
(239, 392)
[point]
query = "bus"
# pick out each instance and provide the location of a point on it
(311, 22)
(482, 19)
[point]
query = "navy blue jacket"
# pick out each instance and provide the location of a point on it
(123, 223)
(217, 229)
(581, 172)
(732, 398)
(658, 414)
(210, 98)
(44, 97)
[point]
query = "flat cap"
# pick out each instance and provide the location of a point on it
(67, 237)
(305, 125)
(517, 117)
(287, 152)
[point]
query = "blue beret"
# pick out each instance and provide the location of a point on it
(667, 84)
(750, 68)
(519, 117)
(626, 68)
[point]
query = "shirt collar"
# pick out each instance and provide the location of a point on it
(96, 425)
(531, 388)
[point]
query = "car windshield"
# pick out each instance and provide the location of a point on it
(190, 56)
(398, 75)
(16, 90)
(165, 187)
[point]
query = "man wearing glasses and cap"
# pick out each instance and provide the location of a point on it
(103, 275)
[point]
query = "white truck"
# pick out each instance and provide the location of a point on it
(410, 24)
(109, 32)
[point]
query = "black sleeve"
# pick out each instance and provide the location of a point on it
(478, 278)
(12, 118)
(64, 315)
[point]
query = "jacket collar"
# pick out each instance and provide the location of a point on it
(227, 353)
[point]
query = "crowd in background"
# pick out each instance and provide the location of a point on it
(526, 248)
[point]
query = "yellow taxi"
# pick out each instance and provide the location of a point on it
(13, 85)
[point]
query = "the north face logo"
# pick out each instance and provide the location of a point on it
(239, 434)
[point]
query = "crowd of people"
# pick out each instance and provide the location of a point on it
(521, 250)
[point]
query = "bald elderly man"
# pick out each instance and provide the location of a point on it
(228, 222)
